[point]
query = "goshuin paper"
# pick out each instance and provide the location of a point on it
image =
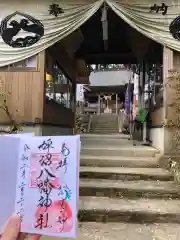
(39, 180)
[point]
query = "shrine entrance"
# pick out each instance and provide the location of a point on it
(73, 36)
(109, 41)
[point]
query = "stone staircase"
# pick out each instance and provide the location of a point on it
(104, 124)
(123, 192)
(124, 195)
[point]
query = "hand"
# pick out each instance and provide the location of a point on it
(12, 231)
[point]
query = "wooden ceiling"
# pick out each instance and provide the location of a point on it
(123, 44)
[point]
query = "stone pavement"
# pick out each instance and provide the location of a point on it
(126, 231)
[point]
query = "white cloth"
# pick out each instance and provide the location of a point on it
(153, 25)
(135, 12)
(76, 12)
(136, 84)
(79, 93)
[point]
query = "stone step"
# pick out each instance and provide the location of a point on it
(104, 127)
(124, 231)
(130, 189)
(103, 209)
(114, 161)
(100, 136)
(106, 121)
(104, 118)
(104, 131)
(133, 151)
(106, 142)
(127, 174)
(104, 124)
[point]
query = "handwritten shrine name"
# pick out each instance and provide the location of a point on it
(163, 8)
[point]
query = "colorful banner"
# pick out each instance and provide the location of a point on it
(128, 103)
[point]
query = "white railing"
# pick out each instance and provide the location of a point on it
(89, 123)
(121, 119)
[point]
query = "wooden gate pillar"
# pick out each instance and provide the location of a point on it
(171, 74)
(168, 97)
(171, 158)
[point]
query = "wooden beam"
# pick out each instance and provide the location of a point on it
(82, 74)
(66, 63)
(139, 43)
(72, 42)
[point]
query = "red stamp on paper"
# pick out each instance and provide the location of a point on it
(43, 165)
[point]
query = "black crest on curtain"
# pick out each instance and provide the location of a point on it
(174, 28)
(10, 29)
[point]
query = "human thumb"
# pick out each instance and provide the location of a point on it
(12, 229)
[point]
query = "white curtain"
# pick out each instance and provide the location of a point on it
(75, 13)
(136, 13)
(152, 24)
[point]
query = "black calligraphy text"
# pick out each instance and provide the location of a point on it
(22, 175)
(65, 151)
(163, 8)
(44, 184)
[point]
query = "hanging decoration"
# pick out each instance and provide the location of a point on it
(104, 21)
